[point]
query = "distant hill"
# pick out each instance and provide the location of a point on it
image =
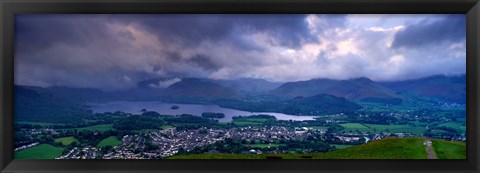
(161, 82)
(359, 89)
(448, 88)
(31, 105)
(198, 89)
(325, 103)
(248, 85)
(388, 148)
(83, 95)
(321, 104)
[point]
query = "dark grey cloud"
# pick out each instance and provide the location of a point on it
(33, 32)
(191, 30)
(204, 62)
(117, 51)
(451, 28)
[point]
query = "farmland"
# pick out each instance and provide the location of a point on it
(42, 151)
(101, 128)
(66, 140)
(44, 124)
(266, 145)
(374, 128)
(110, 141)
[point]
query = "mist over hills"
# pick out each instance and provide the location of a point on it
(353, 89)
(311, 97)
(448, 88)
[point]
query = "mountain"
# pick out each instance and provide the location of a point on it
(195, 89)
(448, 88)
(161, 82)
(388, 148)
(83, 95)
(324, 103)
(249, 85)
(321, 104)
(354, 89)
(32, 105)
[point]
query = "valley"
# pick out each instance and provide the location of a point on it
(244, 118)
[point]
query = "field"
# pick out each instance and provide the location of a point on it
(42, 151)
(101, 128)
(354, 127)
(38, 123)
(66, 140)
(246, 123)
(397, 128)
(318, 127)
(389, 148)
(373, 128)
(266, 145)
(342, 146)
(449, 150)
(409, 103)
(110, 141)
(166, 127)
(454, 125)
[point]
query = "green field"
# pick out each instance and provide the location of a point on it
(42, 151)
(373, 128)
(101, 128)
(454, 125)
(449, 150)
(397, 128)
(38, 123)
(409, 103)
(110, 141)
(166, 127)
(354, 127)
(388, 148)
(342, 146)
(67, 140)
(261, 120)
(265, 145)
(246, 123)
(318, 127)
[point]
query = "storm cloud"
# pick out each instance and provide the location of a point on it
(449, 29)
(117, 51)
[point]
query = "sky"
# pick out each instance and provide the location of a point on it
(114, 52)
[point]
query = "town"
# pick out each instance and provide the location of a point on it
(170, 141)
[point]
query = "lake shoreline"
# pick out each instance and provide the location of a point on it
(164, 108)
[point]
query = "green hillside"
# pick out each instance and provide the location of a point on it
(110, 141)
(67, 140)
(389, 148)
(42, 151)
(449, 150)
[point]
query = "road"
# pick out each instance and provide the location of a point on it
(428, 147)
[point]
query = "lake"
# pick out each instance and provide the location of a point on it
(135, 107)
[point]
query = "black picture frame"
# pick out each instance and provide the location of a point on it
(8, 9)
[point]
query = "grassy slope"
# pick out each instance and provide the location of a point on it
(378, 127)
(389, 148)
(42, 151)
(454, 125)
(449, 150)
(67, 140)
(342, 146)
(112, 141)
